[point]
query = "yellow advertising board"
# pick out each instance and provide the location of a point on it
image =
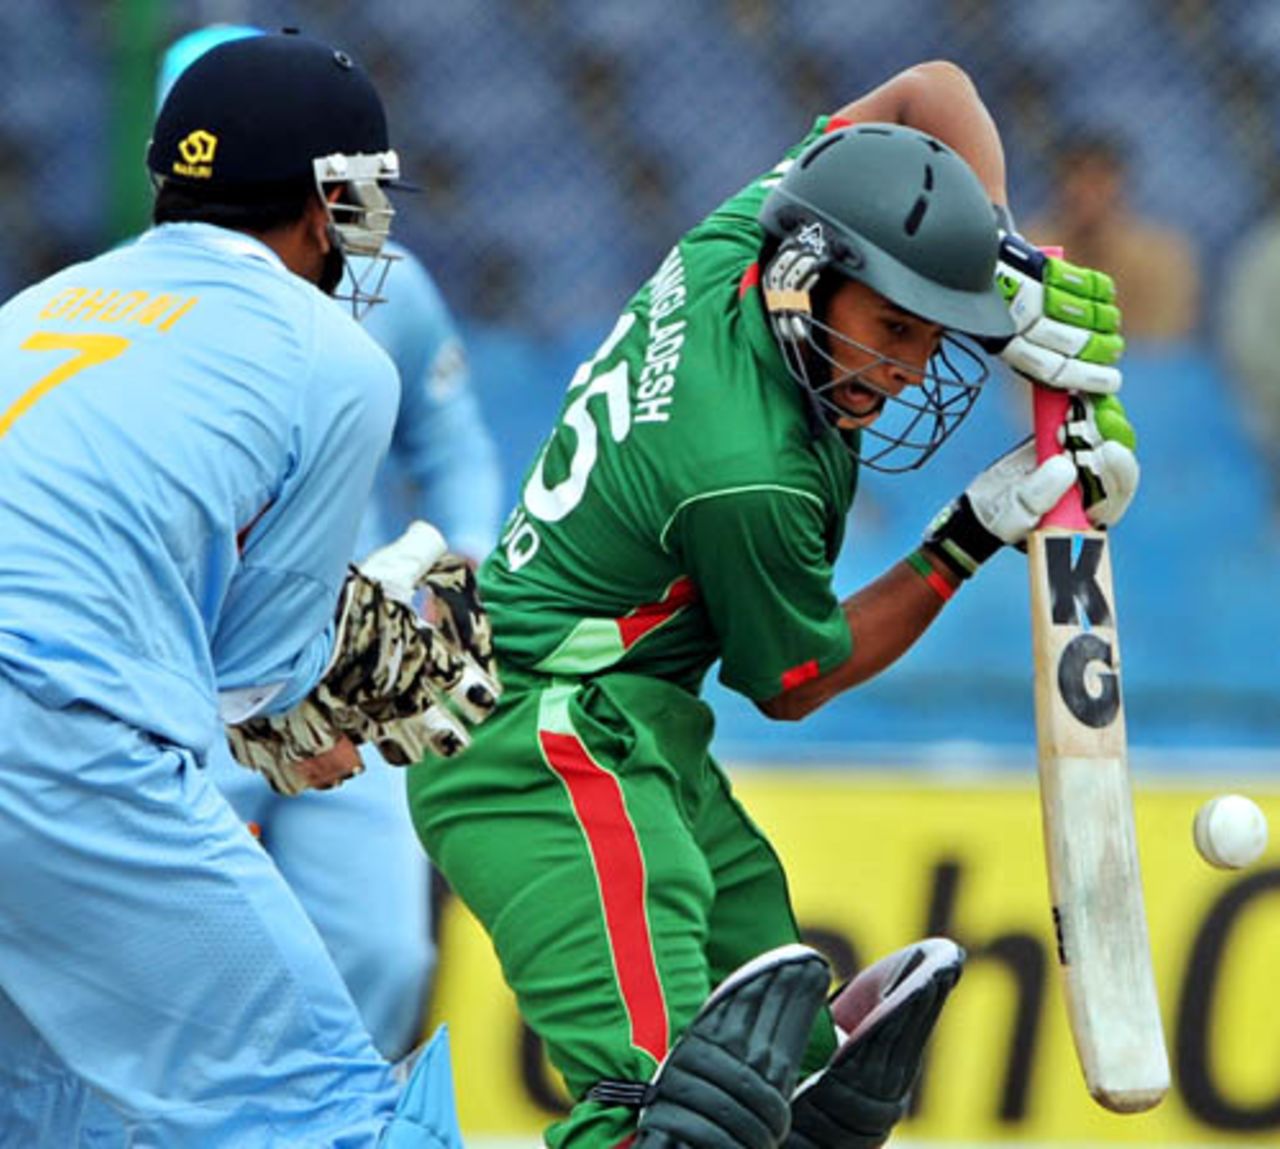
(876, 862)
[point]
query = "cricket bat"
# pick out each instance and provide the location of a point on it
(1091, 849)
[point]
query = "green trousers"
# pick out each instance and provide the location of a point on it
(599, 844)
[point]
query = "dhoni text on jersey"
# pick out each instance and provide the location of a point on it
(666, 339)
(85, 305)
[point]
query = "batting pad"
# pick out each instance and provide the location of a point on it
(726, 1081)
(884, 1019)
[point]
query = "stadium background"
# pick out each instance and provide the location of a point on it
(562, 145)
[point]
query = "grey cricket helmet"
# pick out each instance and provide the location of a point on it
(905, 215)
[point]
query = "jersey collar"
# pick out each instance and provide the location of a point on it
(214, 238)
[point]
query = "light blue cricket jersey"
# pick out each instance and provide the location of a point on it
(188, 437)
(443, 464)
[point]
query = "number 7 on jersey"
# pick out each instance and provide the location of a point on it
(1091, 848)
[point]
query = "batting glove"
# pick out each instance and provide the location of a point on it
(1007, 500)
(1066, 322)
(394, 680)
(1103, 446)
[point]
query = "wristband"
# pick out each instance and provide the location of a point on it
(958, 540)
(917, 561)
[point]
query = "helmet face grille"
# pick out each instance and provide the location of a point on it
(359, 223)
(908, 427)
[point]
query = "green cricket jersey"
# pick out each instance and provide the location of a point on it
(683, 509)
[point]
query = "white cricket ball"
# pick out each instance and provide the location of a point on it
(1230, 831)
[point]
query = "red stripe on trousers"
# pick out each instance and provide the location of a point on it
(615, 853)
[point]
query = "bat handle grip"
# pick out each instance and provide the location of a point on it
(1050, 410)
(1050, 413)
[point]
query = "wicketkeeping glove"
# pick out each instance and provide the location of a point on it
(393, 679)
(1067, 324)
(274, 746)
(1002, 505)
(390, 663)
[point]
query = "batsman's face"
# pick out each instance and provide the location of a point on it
(881, 351)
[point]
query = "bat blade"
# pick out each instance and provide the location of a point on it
(1087, 808)
(1086, 802)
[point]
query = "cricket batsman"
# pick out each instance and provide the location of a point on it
(686, 510)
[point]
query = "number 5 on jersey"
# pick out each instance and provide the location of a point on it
(549, 503)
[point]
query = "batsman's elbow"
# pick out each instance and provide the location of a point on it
(801, 700)
(787, 707)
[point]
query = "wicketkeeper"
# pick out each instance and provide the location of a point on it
(189, 430)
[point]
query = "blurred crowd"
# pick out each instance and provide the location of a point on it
(563, 142)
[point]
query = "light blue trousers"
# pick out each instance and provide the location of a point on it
(352, 857)
(151, 952)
